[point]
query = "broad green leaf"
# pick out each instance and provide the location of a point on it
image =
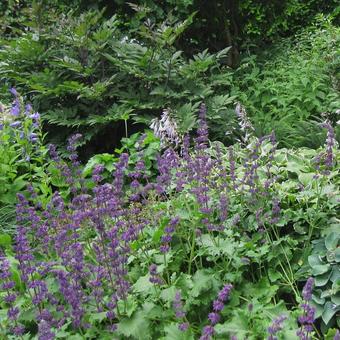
(173, 333)
(320, 269)
(137, 327)
(329, 311)
(331, 240)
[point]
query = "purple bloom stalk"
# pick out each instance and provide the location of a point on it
(154, 276)
(179, 312)
(214, 317)
(306, 320)
(167, 237)
(44, 331)
(275, 327)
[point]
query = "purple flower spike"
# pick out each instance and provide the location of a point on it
(215, 316)
(307, 289)
(14, 92)
(44, 331)
(15, 109)
(167, 237)
(208, 332)
(275, 327)
(306, 320)
(154, 276)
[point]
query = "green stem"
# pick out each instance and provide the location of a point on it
(192, 251)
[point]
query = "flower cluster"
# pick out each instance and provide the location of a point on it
(167, 237)
(166, 129)
(306, 320)
(179, 312)
(214, 317)
(154, 276)
(275, 327)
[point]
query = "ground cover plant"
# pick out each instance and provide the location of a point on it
(217, 246)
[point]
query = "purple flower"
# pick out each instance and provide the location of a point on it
(178, 306)
(307, 289)
(306, 320)
(184, 326)
(208, 332)
(276, 326)
(154, 276)
(223, 295)
(13, 91)
(13, 313)
(214, 318)
(337, 335)
(218, 306)
(35, 116)
(167, 237)
(97, 173)
(18, 330)
(15, 109)
(44, 331)
(15, 124)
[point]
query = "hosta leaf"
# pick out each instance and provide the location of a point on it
(336, 299)
(337, 254)
(320, 269)
(331, 241)
(329, 311)
(321, 280)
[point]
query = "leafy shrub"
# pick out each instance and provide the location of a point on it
(213, 246)
(88, 74)
(291, 86)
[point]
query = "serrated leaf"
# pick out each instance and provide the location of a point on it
(173, 333)
(143, 285)
(137, 327)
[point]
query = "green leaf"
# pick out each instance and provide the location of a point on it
(320, 269)
(321, 280)
(331, 241)
(97, 317)
(329, 311)
(337, 254)
(5, 240)
(128, 306)
(173, 333)
(143, 285)
(137, 327)
(314, 260)
(202, 281)
(168, 294)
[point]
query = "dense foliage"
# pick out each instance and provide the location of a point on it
(100, 74)
(216, 227)
(295, 87)
(149, 225)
